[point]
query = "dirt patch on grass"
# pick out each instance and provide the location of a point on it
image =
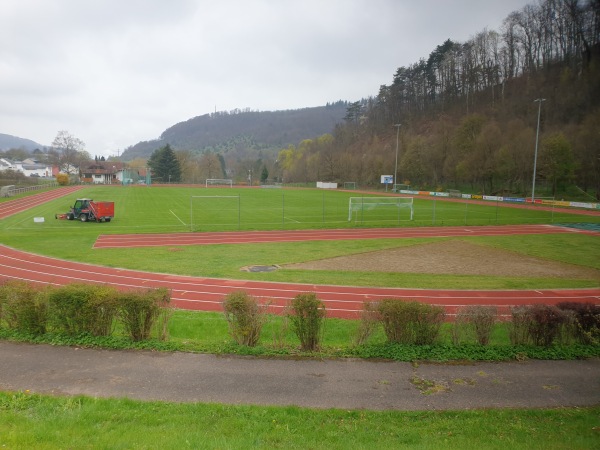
(451, 257)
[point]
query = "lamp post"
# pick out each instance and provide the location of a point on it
(396, 166)
(537, 135)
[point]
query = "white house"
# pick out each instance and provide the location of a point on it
(28, 167)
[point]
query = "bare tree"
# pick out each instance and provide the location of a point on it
(67, 152)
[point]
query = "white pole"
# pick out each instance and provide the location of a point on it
(396, 166)
(537, 135)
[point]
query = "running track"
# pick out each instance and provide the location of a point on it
(206, 294)
(257, 237)
(22, 204)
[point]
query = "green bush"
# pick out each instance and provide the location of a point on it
(245, 317)
(474, 323)
(410, 322)
(141, 311)
(307, 317)
(82, 308)
(24, 307)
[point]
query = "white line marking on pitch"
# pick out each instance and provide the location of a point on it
(178, 218)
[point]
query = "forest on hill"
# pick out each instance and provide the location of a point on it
(477, 116)
(466, 117)
(244, 133)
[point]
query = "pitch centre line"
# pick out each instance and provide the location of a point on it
(185, 224)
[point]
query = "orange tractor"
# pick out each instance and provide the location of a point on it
(86, 209)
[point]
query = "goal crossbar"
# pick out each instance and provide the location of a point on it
(219, 181)
(369, 203)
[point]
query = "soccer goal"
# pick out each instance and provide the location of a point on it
(214, 212)
(219, 182)
(349, 184)
(400, 187)
(363, 204)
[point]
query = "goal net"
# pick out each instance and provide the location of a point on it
(366, 204)
(219, 182)
(349, 184)
(214, 212)
(400, 187)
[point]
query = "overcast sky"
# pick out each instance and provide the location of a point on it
(115, 72)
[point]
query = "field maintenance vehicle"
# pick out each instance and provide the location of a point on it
(86, 209)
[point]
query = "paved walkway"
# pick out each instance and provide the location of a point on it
(347, 384)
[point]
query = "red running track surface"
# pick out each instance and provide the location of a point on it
(207, 294)
(23, 204)
(248, 237)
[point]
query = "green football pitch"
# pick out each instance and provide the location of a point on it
(144, 209)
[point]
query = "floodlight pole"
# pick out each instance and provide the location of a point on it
(396, 166)
(537, 135)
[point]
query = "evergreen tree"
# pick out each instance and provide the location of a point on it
(164, 165)
(264, 176)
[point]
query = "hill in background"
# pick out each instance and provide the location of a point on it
(244, 132)
(8, 142)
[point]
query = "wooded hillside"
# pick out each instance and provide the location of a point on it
(468, 112)
(244, 133)
(465, 117)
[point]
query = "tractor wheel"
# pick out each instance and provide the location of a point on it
(107, 219)
(70, 216)
(83, 217)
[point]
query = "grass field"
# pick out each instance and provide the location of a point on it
(44, 422)
(141, 209)
(152, 209)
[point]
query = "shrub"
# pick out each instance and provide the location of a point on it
(587, 321)
(369, 319)
(537, 324)
(24, 307)
(410, 322)
(307, 317)
(62, 179)
(474, 322)
(82, 308)
(139, 311)
(245, 317)
(518, 329)
(546, 324)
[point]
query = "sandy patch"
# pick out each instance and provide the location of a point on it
(453, 257)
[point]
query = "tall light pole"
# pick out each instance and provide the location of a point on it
(537, 136)
(396, 166)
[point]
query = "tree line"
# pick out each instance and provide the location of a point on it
(467, 114)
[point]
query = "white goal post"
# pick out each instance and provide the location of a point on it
(219, 182)
(368, 203)
(349, 184)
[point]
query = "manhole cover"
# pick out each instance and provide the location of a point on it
(259, 268)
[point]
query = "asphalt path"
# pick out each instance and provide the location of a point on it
(345, 384)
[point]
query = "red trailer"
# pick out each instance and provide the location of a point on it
(86, 209)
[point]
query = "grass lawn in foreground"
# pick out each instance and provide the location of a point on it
(44, 422)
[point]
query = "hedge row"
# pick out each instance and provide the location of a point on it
(414, 323)
(99, 310)
(78, 309)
